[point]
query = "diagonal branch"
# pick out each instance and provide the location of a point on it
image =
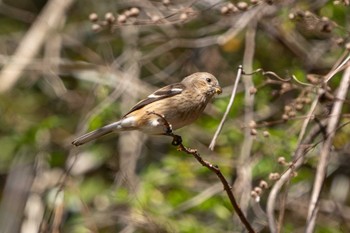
(177, 141)
(299, 156)
(324, 157)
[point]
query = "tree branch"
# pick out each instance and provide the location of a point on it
(325, 151)
(177, 141)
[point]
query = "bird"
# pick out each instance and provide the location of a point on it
(178, 104)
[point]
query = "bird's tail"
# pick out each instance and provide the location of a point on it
(97, 133)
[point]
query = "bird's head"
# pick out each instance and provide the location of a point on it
(204, 82)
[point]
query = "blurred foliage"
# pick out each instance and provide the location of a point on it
(162, 189)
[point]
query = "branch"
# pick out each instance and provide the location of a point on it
(177, 141)
(299, 156)
(324, 157)
(232, 99)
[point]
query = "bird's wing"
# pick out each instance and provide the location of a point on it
(162, 93)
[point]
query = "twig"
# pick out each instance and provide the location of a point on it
(223, 180)
(300, 82)
(300, 157)
(324, 157)
(282, 205)
(273, 74)
(336, 70)
(234, 90)
(301, 136)
(310, 115)
(177, 141)
(268, 73)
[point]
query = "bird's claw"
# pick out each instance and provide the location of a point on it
(177, 140)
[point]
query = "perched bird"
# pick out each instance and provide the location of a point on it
(180, 104)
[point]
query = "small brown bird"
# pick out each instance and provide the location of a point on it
(180, 104)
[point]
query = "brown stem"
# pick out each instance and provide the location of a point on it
(223, 180)
(177, 141)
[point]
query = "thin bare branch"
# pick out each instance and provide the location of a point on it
(223, 180)
(309, 116)
(325, 152)
(338, 68)
(233, 94)
(300, 157)
(177, 141)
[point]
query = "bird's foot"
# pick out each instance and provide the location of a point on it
(177, 140)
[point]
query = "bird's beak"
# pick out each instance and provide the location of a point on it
(218, 90)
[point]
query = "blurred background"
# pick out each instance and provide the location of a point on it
(68, 67)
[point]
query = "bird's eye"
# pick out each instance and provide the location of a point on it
(208, 80)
